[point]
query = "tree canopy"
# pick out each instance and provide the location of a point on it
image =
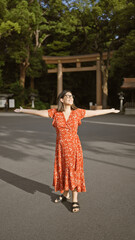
(30, 29)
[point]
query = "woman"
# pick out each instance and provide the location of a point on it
(68, 165)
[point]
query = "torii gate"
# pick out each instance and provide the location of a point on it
(78, 60)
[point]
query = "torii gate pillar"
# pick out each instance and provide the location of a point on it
(98, 84)
(59, 78)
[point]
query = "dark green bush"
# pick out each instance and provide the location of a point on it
(41, 105)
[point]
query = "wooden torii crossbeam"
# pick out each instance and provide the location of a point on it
(77, 60)
(129, 83)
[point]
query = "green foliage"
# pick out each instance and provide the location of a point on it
(41, 105)
(122, 66)
(7, 27)
(35, 68)
(62, 26)
(3, 6)
(20, 94)
(31, 29)
(25, 20)
(123, 61)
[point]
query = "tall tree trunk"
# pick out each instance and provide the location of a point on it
(104, 70)
(23, 67)
(105, 86)
(32, 85)
(22, 75)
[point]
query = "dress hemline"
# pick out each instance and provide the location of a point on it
(62, 190)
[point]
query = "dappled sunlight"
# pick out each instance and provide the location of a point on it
(118, 154)
(19, 145)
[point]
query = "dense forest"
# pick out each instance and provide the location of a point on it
(30, 29)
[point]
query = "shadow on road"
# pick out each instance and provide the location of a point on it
(30, 186)
(26, 184)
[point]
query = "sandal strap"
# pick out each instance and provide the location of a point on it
(75, 207)
(65, 197)
(77, 203)
(62, 198)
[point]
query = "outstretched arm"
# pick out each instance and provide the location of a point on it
(42, 113)
(92, 113)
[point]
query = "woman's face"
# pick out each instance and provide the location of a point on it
(68, 99)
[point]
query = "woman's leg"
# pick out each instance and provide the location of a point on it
(75, 199)
(66, 193)
(74, 195)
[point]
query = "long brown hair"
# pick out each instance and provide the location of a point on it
(60, 104)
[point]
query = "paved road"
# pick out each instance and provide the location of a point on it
(27, 208)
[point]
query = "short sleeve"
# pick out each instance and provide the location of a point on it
(51, 112)
(81, 113)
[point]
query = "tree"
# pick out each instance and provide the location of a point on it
(122, 65)
(7, 27)
(31, 28)
(29, 17)
(61, 27)
(99, 26)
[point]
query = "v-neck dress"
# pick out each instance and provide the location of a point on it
(68, 164)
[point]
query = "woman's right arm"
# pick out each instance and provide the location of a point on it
(42, 113)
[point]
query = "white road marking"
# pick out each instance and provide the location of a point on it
(114, 124)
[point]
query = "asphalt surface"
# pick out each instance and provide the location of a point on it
(27, 208)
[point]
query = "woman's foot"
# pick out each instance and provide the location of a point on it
(64, 197)
(66, 194)
(75, 207)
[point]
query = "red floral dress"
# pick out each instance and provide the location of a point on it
(68, 165)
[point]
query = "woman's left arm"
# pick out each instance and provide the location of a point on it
(92, 113)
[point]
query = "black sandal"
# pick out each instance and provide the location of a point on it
(62, 198)
(77, 207)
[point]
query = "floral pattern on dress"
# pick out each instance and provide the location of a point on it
(68, 164)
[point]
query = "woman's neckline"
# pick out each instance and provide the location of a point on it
(68, 116)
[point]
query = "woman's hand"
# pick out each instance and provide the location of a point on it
(18, 110)
(115, 111)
